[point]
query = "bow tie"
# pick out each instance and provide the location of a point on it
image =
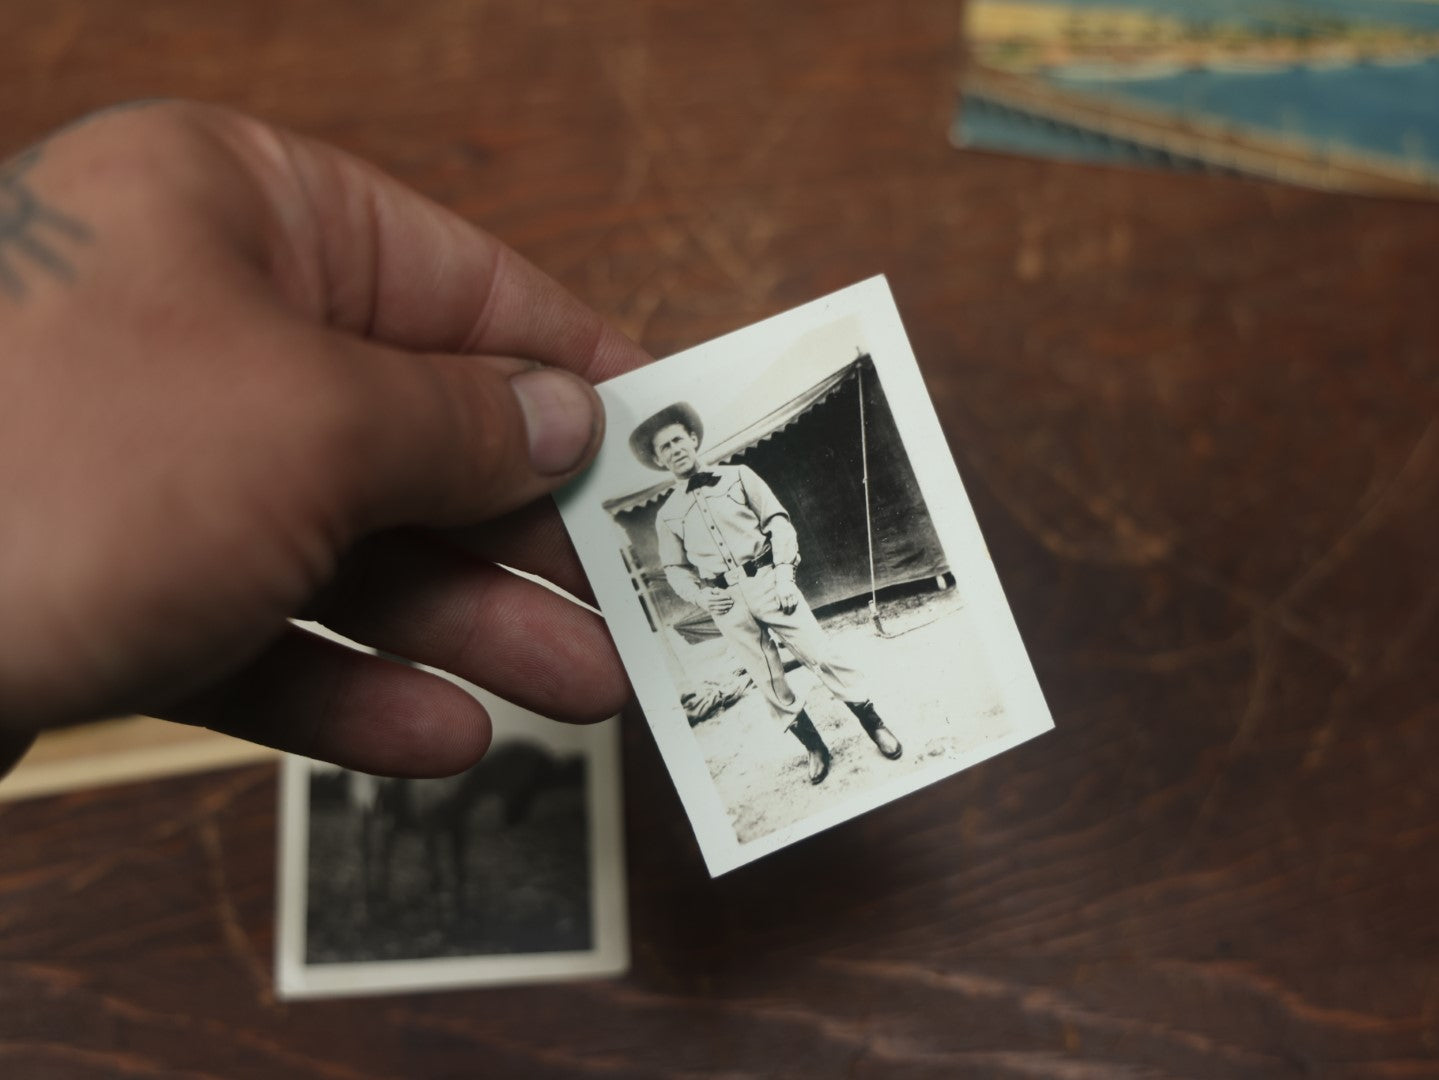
(702, 479)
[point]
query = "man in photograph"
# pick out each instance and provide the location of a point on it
(727, 545)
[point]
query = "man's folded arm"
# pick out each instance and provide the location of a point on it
(686, 584)
(773, 518)
(678, 572)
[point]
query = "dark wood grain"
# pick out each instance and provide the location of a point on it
(1199, 421)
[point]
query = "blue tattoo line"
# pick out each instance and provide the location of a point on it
(29, 230)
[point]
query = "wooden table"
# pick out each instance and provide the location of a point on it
(1199, 421)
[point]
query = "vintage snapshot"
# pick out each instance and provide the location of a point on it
(512, 872)
(778, 536)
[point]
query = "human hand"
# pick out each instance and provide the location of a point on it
(786, 592)
(716, 601)
(246, 376)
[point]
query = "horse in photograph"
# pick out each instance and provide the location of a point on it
(442, 812)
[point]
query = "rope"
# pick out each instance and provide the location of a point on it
(868, 520)
(869, 527)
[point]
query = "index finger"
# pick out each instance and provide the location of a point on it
(377, 259)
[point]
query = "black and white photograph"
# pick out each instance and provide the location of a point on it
(777, 534)
(510, 872)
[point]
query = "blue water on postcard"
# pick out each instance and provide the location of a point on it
(1388, 110)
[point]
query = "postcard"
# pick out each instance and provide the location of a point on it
(512, 872)
(1335, 95)
(778, 537)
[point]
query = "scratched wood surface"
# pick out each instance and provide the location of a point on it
(1197, 418)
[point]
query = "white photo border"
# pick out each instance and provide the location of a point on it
(609, 956)
(710, 373)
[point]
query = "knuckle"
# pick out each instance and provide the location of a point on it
(167, 163)
(146, 113)
(150, 125)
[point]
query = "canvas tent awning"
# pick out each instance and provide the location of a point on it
(753, 431)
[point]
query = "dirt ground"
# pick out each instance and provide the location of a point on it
(929, 684)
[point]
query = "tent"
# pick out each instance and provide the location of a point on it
(833, 456)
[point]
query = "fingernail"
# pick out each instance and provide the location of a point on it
(561, 416)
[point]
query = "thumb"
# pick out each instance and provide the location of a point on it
(462, 439)
(563, 420)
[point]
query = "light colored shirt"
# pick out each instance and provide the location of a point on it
(710, 530)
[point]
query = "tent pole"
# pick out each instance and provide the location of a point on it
(868, 522)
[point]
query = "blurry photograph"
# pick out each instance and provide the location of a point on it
(777, 534)
(509, 872)
(1332, 94)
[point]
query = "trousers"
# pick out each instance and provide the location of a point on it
(743, 626)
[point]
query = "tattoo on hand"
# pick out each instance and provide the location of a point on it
(32, 233)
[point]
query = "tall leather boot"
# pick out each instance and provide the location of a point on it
(803, 730)
(884, 739)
